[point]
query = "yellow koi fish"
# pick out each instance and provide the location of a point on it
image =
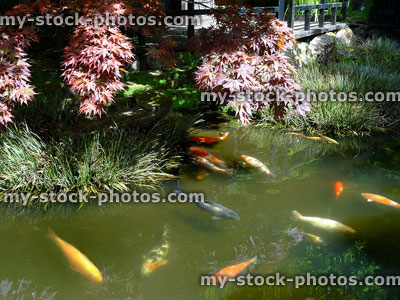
(315, 138)
(77, 260)
(258, 165)
(156, 257)
(325, 224)
(313, 238)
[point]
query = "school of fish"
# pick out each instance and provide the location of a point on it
(157, 257)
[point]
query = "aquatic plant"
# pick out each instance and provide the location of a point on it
(353, 261)
(110, 160)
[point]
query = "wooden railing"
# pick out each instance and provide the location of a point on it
(280, 12)
(322, 7)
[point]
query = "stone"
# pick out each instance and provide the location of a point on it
(322, 47)
(346, 36)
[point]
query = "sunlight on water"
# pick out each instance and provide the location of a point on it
(116, 237)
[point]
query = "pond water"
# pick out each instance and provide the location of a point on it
(115, 237)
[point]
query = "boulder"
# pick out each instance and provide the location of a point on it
(322, 47)
(346, 36)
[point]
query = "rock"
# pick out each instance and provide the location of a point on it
(299, 54)
(346, 36)
(322, 47)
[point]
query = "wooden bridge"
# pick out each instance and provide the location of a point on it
(302, 23)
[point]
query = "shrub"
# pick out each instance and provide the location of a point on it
(244, 53)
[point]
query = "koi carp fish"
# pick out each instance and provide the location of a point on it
(258, 165)
(232, 271)
(197, 152)
(313, 238)
(380, 199)
(315, 138)
(156, 257)
(321, 223)
(219, 211)
(208, 165)
(76, 259)
(338, 188)
(208, 140)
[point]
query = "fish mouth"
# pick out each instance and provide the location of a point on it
(234, 217)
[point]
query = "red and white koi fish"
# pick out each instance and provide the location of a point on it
(315, 138)
(156, 257)
(208, 140)
(232, 271)
(380, 199)
(258, 165)
(197, 152)
(206, 164)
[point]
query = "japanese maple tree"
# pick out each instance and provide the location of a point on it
(94, 59)
(244, 54)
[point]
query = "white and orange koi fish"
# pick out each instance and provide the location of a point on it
(258, 165)
(380, 199)
(208, 165)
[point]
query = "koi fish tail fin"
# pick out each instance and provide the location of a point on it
(271, 176)
(229, 172)
(397, 205)
(253, 260)
(224, 135)
(51, 234)
(167, 229)
(297, 215)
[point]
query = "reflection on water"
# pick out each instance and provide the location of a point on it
(116, 237)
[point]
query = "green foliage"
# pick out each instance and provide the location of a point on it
(370, 66)
(175, 84)
(322, 261)
(112, 160)
(361, 14)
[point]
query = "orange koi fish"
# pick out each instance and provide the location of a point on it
(77, 260)
(208, 140)
(208, 165)
(380, 199)
(258, 165)
(315, 138)
(339, 188)
(197, 152)
(232, 271)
